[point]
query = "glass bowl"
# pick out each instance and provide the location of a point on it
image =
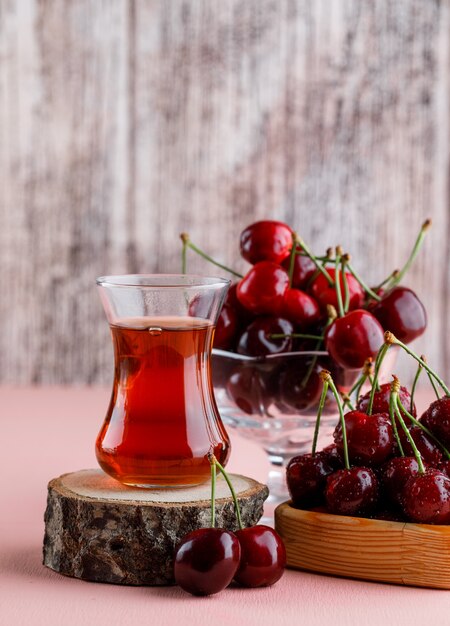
(273, 401)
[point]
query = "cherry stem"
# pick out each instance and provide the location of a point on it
(188, 244)
(326, 376)
(323, 397)
(386, 280)
(417, 245)
(378, 361)
(414, 385)
(337, 281)
(392, 397)
(347, 401)
(345, 282)
(213, 494)
(394, 391)
(231, 488)
(295, 336)
(366, 374)
(424, 428)
(183, 255)
(366, 288)
(391, 339)
(432, 383)
(292, 258)
(309, 254)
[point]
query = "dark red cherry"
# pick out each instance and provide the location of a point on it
(248, 389)
(266, 241)
(352, 491)
(437, 419)
(262, 289)
(395, 474)
(370, 439)
(306, 477)
(304, 269)
(401, 312)
(256, 339)
(243, 315)
(299, 384)
(333, 456)
(381, 400)
(426, 498)
(206, 561)
(226, 328)
(429, 451)
(263, 557)
(300, 308)
(444, 467)
(353, 338)
(325, 293)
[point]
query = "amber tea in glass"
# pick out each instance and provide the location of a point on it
(162, 419)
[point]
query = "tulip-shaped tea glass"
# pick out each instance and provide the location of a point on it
(162, 419)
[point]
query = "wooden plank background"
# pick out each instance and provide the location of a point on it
(123, 123)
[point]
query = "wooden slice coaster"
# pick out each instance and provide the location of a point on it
(97, 529)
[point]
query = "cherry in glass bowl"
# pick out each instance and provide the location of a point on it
(273, 401)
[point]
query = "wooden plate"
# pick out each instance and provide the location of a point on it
(354, 547)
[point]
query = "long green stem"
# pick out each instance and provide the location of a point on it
(345, 283)
(387, 280)
(392, 397)
(309, 254)
(414, 385)
(323, 397)
(424, 428)
(188, 243)
(417, 245)
(292, 258)
(391, 339)
(184, 258)
(213, 495)
(337, 282)
(411, 441)
(378, 361)
(233, 493)
(326, 376)
(366, 288)
(295, 336)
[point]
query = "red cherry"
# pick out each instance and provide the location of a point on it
(370, 439)
(353, 338)
(306, 477)
(304, 269)
(248, 390)
(206, 561)
(444, 467)
(437, 419)
(298, 387)
(256, 339)
(333, 456)
(325, 293)
(426, 498)
(226, 328)
(262, 289)
(429, 451)
(401, 312)
(351, 491)
(300, 308)
(266, 241)
(263, 557)
(381, 400)
(396, 473)
(231, 300)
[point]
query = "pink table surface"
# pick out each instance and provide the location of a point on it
(48, 431)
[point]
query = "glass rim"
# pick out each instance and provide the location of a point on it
(162, 281)
(268, 357)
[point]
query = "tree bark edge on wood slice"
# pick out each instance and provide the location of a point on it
(99, 530)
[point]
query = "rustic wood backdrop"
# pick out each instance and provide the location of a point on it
(125, 122)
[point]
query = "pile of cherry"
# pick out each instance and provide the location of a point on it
(291, 300)
(207, 560)
(384, 462)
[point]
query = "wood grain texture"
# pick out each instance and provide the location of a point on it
(97, 530)
(124, 123)
(356, 547)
